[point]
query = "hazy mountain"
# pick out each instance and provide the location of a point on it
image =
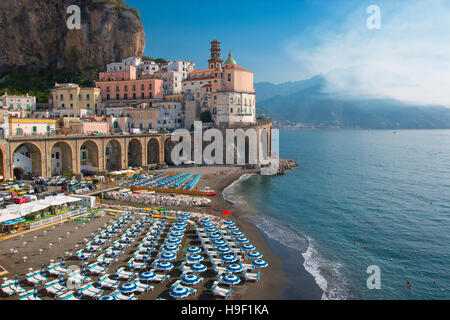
(308, 102)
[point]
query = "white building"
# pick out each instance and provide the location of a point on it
(23, 104)
(171, 115)
(148, 67)
(121, 66)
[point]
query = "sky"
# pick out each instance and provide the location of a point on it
(407, 58)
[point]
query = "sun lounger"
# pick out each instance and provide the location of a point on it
(103, 260)
(6, 287)
(121, 296)
(56, 269)
(219, 270)
(94, 268)
(28, 295)
(143, 287)
(136, 265)
(90, 291)
(126, 275)
(106, 282)
(251, 276)
(219, 291)
(160, 277)
(185, 268)
(31, 279)
(66, 296)
(53, 287)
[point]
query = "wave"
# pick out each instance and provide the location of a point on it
(323, 271)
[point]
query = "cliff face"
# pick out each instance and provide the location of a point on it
(34, 34)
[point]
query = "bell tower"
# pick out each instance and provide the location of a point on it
(215, 60)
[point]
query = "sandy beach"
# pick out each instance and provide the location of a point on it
(70, 236)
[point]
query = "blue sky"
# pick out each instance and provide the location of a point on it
(289, 40)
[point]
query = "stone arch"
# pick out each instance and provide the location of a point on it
(2, 163)
(168, 146)
(28, 157)
(113, 155)
(153, 148)
(61, 154)
(89, 157)
(134, 153)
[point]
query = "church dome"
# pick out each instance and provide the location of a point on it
(230, 60)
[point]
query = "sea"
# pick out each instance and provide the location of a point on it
(367, 211)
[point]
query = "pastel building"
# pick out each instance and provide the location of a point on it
(28, 127)
(121, 66)
(69, 99)
(22, 105)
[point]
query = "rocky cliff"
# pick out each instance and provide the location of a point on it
(34, 34)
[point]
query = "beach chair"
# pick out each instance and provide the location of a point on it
(7, 289)
(67, 296)
(56, 270)
(219, 291)
(219, 270)
(90, 291)
(37, 275)
(51, 287)
(125, 275)
(94, 268)
(31, 279)
(251, 276)
(103, 260)
(215, 261)
(136, 265)
(28, 295)
(246, 266)
(185, 268)
(143, 287)
(106, 282)
(77, 278)
(160, 277)
(120, 296)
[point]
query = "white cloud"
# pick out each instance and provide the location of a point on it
(408, 59)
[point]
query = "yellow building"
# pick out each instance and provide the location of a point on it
(70, 99)
(27, 127)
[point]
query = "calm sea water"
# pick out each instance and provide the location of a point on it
(361, 198)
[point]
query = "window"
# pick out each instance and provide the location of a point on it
(108, 97)
(107, 88)
(229, 77)
(117, 88)
(71, 106)
(62, 97)
(126, 88)
(88, 96)
(71, 96)
(142, 87)
(34, 129)
(117, 96)
(134, 87)
(88, 106)
(56, 155)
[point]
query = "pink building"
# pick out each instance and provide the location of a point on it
(128, 74)
(131, 89)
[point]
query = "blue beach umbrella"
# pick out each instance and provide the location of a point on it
(234, 268)
(185, 215)
(35, 291)
(168, 256)
(228, 223)
(215, 236)
(223, 250)
(198, 267)
(208, 225)
(248, 247)
(42, 270)
(171, 247)
(211, 230)
(176, 234)
(228, 258)
(180, 224)
(190, 279)
(179, 292)
(232, 228)
(16, 281)
(231, 279)
(178, 228)
(259, 263)
(110, 297)
(195, 258)
(147, 276)
(129, 287)
(205, 220)
(242, 240)
(182, 219)
(83, 268)
(219, 243)
(254, 255)
(173, 240)
(237, 234)
(192, 250)
(164, 266)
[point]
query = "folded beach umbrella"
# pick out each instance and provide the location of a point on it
(128, 287)
(248, 247)
(35, 292)
(179, 292)
(190, 279)
(164, 266)
(223, 250)
(228, 258)
(63, 262)
(194, 258)
(168, 256)
(254, 255)
(110, 297)
(16, 281)
(198, 267)
(242, 240)
(259, 263)
(219, 243)
(61, 279)
(147, 276)
(234, 268)
(230, 279)
(192, 250)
